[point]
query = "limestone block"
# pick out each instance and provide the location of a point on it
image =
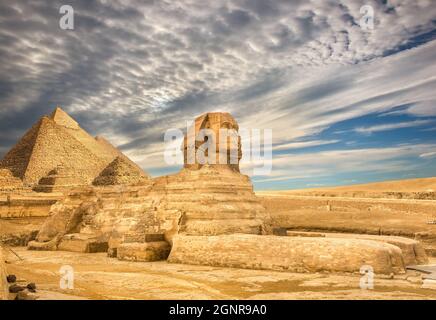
(147, 251)
(8, 181)
(304, 234)
(82, 243)
(413, 251)
(279, 232)
(4, 288)
(73, 245)
(66, 217)
(18, 206)
(51, 245)
(141, 237)
(429, 284)
(121, 171)
(295, 254)
(216, 227)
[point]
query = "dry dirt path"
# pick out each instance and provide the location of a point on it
(99, 277)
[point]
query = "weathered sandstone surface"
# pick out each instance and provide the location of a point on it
(287, 253)
(8, 181)
(24, 205)
(224, 203)
(147, 251)
(412, 250)
(121, 171)
(4, 288)
(389, 217)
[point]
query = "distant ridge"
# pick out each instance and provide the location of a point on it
(422, 188)
(406, 185)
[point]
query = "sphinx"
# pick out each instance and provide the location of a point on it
(204, 198)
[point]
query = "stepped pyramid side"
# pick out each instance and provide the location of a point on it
(117, 153)
(62, 118)
(121, 171)
(17, 159)
(60, 179)
(69, 125)
(53, 147)
(8, 181)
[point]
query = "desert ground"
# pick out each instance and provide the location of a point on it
(327, 212)
(401, 208)
(99, 277)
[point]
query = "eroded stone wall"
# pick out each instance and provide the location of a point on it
(16, 206)
(287, 253)
(4, 288)
(208, 201)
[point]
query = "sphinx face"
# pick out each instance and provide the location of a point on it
(213, 140)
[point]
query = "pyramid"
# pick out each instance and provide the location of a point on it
(8, 181)
(116, 153)
(63, 119)
(60, 179)
(121, 171)
(18, 158)
(58, 140)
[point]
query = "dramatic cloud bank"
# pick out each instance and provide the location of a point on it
(344, 103)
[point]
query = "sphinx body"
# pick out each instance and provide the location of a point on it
(202, 199)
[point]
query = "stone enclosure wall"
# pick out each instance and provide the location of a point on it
(15, 206)
(287, 253)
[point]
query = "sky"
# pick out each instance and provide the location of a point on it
(346, 105)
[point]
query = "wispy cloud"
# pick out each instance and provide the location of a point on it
(391, 126)
(303, 144)
(428, 154)
(132, 69)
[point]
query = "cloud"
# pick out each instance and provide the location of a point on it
(314, 166)
(423, 108)
(132, 69)
(303, 144)
(428, 155)
(392, 126)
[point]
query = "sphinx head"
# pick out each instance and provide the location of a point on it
(213, 140)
